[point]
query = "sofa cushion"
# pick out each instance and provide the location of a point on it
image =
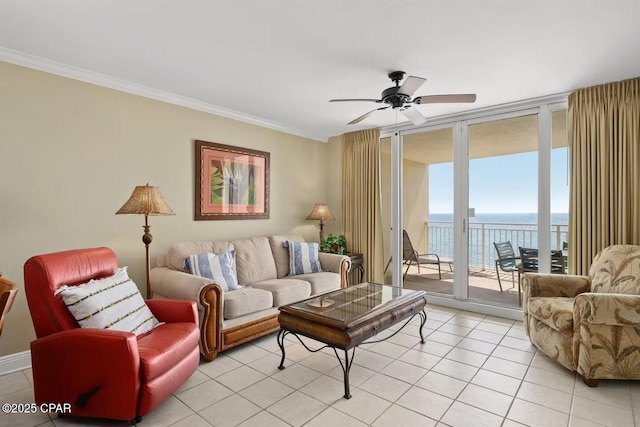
(322, 282)
(113, 303)
(246, 301)
(254, 260)
(555, 312)
(285, 291)
(165, 347)
(220, 268)
(179, 251)
(303, 258)
(281, 252)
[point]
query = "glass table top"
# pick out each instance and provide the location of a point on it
(349, 303)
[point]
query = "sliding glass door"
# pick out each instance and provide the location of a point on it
(503, 205)
(468, 188)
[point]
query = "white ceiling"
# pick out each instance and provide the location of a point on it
(278, 62)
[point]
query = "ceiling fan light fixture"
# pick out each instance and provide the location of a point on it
(399, 97)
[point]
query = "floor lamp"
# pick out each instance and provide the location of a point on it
(146, 200)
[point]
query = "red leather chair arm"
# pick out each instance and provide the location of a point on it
(173, 310)
(95, 370)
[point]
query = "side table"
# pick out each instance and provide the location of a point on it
(357, 263)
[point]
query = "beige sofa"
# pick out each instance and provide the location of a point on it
(230, 318)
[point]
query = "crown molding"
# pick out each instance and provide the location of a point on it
(75, 73)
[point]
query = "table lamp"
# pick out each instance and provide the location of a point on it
(321, 212)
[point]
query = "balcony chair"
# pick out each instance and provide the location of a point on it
(507, 261)
(529, 261)
(411, 256)
(104, 373)
(589, 324)
(8, 291)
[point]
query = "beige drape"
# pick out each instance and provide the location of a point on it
(361, 199)
(604, 141)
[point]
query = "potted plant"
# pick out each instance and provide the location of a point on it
(334, 244)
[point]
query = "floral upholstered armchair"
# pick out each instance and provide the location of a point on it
(589, 324)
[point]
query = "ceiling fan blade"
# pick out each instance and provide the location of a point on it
(411, 84)
(364, 116)
(414, 115)
(356, 99)
(435, 99)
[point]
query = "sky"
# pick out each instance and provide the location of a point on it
(502, 184)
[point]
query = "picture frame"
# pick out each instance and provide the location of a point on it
(231, 182)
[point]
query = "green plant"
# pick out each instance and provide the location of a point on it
(334, 244)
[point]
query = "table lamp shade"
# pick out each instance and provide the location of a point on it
(146, 200)
(321, 212)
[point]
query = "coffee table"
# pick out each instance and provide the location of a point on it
(345, 318)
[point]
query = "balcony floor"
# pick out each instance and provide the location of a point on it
(483, 284)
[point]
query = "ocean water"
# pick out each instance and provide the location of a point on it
(486, 228)
(505, 218)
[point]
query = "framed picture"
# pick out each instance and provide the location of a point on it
(231, 182)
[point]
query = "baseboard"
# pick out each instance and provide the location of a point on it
(15, 362)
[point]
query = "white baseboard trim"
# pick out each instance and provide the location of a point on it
(15, 362)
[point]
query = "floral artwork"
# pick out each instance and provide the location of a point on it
(231, 182)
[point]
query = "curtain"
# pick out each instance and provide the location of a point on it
(604, 143)
(361, 199)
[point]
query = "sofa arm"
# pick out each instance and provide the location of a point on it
(209, 297)
(607, 309)
(335, 263)
(172, 310)
(97, 371)
(554, 285)
(176, 284)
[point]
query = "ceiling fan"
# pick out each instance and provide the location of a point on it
(399, 97)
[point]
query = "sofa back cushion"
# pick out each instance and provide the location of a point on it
(254, 260)
(616, 269)
(179, 251)
(281, 252)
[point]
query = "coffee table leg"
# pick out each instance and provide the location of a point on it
(281, 334)
(423, 320)
(346, 367)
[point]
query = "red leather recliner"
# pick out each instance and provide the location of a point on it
(104, 373)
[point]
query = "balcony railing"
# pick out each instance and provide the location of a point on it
(482, 253)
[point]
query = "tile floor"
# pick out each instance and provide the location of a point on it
(473, 370)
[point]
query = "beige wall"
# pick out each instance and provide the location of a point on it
(334, 184)
(72, 152)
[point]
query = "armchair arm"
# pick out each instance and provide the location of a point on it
(554, 285)
(335, 263)
(608, 309)
(97, 371)
(171, 310)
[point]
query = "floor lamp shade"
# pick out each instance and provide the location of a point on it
(146, 200)
(322, 213)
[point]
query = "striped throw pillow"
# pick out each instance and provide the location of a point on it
(111, 303)
(218, 267)
(303, 258)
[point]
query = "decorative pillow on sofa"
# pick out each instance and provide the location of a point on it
(110, 303)
(303, 258)
(218, 267)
